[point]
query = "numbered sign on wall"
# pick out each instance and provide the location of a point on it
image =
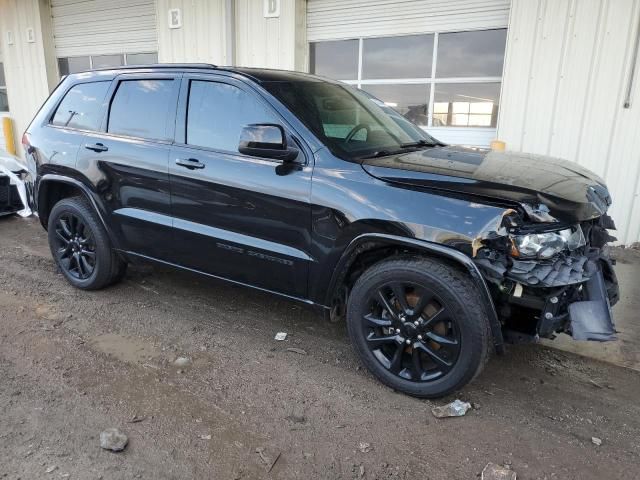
(271, 8)
(175, 18)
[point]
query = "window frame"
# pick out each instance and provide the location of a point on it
(171, 121)
(125, 56)
(431, 82)
(54, 109)
(182, 115)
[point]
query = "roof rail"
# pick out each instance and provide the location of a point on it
(159, 65)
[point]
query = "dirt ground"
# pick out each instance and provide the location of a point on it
(73, 363)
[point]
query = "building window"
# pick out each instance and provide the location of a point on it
(4, 101)
(435, 80)
(68, 65)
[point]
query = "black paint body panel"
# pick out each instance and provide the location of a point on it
(242, 219)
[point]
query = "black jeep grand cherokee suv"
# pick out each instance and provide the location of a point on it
(313, 190)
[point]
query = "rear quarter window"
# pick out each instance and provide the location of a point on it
(82, 107)
(142, 108)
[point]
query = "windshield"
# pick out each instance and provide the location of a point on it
(351, 123)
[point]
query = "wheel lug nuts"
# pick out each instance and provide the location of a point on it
(408, 342)
(419, 337)
(416, 323)
(397, 330)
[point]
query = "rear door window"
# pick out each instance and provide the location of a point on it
(82, 107)
(143, 108)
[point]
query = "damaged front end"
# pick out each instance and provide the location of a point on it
(548, 277)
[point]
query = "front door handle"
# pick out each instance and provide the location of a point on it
(190, 163)
(97, 147)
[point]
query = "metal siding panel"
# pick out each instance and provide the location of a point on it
(546, 57)
(328, 19)
(563, 93)
(96, 27)
(267, 42)
(517, 71)
(202, 36)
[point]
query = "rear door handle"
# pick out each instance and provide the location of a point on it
(190, 163)
(96, 147)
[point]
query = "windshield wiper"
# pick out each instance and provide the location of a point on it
(419, 143)
(376, 154)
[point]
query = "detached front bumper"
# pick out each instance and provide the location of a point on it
(570, 293)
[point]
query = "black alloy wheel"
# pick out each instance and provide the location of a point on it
(75, 248)
(81, 247)
(419, 325)
(411, 332)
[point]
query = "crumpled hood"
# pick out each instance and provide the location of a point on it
(570, 192)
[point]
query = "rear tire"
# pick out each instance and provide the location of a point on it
(419, 325)
(81, 247)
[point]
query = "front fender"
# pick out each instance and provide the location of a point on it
(428, 248)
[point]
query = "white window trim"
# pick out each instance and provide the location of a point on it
(431, 81)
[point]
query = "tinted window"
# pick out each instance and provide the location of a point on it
(397, 57)
(218, 112)
(82, 107)
(141, 108)
(337, 60)
(409, 100)
(471, 54)
(348, 121)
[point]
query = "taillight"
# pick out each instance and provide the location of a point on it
(26, 143)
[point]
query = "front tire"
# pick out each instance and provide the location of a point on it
(419, 325)
(81, 247)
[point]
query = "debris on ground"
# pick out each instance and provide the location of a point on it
(361, 471)
(137, 419)
(364, 447)
(274, 462)
(297, 350)
(596, 441)
(205, 437)
(113, 439)
(457, 408)
(50, 469)
(266, 459)
(280, 336)
(182, 361)
(497, 472)
(296, 418)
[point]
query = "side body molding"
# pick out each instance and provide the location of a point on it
(432, 249)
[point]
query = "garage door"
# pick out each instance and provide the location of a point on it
(103, 33)
(437, 62)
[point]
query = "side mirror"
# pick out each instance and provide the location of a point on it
(266, 140)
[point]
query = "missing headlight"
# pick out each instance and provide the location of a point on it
(547, 244)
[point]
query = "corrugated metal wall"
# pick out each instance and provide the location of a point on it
(201, 37)
(278, 42)
(566, 72)
(335, 19)
(96, 27)
(26, 65)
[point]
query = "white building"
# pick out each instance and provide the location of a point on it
(546, 76)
